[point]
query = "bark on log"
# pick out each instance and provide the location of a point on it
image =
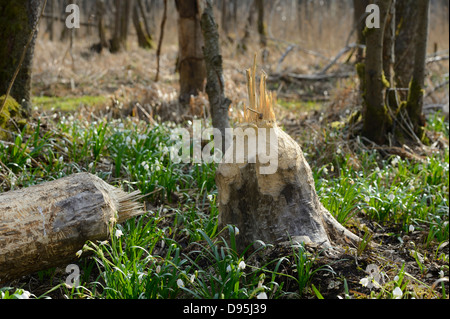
(45, 225)
(272, 207)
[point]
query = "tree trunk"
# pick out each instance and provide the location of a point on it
(16, 25)
(122, 18)
(215, 85)
(144, 39)
(100, 11)
(375, 117)
(416, 87)
(191, 62)
(359, 14)
(272, 203)
(225, 17)
(242, 46)
(389, 56)
(261, 26)
(405, 20)
(45, 225)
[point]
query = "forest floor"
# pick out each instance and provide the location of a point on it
(394, 197)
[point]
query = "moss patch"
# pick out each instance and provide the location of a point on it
(68, 103)
(11, 110)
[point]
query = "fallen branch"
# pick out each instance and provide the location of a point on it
(309, 77)
(338, 56)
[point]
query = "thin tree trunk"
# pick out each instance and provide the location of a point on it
(191, 62)
(144, 39)
(161, 37)
(359, 14)
(389, 56)
(100, 10)
(122, 18)
(215, 86)
(224, 17)
(242, 46)
(376, 116)
(416, 87)
(405, 19)
(261, 26)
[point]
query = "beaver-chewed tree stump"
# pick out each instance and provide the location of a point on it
(271, 205)
(43, 226)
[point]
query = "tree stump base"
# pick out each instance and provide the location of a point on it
(276, 207)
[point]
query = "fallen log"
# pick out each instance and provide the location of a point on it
(43, 226)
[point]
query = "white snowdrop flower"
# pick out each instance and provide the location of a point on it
(61, 159)
(189, 122)
(210, 197)
(78, 253)
(411, 228)
(396, 278)
(261, 295)
(91, 165)
(133, 142)
(28, 161)
(228, 268)
(165, 210)
(158, 269)
(192, 278)
(397, 293)
(128, 140)
(180, 283)
(241, 265)
(236, 230)
(391, 197)
(365, 281)
(118, 233)
(25, 295)
(441, 274)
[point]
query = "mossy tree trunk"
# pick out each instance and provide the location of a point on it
(144, 38)
(190, 40)
(416, 88)
(375, 116)
(16, 24)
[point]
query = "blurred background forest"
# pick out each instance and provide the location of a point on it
(301, 37)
